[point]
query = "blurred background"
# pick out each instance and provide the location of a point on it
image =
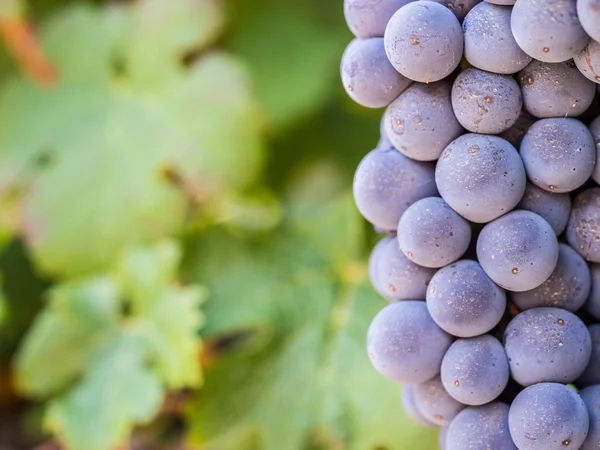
(182, 264)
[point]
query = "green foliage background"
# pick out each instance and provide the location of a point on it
(182, 195)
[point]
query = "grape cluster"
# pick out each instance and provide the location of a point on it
(485, 183)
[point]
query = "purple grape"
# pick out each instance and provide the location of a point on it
(442, 438)
(588, 61)
(394, 276)
(367, 75)
(485, 102)
(559, 154)
(475, 370)
(547, 344)
(548, 416)
(483, 427)
(368, 18)
(568, 287)
(384, 140)
(405, 344)
(410, 408)
(555, 90)
(435, 404)
(589, 15)
(591, 374)
(583, 230)
(463, 300)
(487, 32)
(591, 398)
(502, 2)
(552, 207)
(431, 234)
(595, 130)
(387, 183)
(481, 177)
(548, 30)
(420, 123)
(460, 8)
(424, 41)
(518, 251)
(592, 306)
(374, 263)
(514, 135)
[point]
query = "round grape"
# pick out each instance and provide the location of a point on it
(431, 234)
(515, 134)
(588, 61)
(583, 230)
(405, 344)
(374, 262)
(368, 18)
(568, 287)
(589, 15)
(420, 123)
(592, 306)
(384, 140)
(559, 154)
(485, 102)
(595, 130)
(387, 183)
(548, 416)
(460, 8)
(463, 300)
(502, 2)
(435, 404)
(552, 207)
(410, 408)
(548, 30)
(394, 276)
(483, 427)
(591, 398)
(475, 370)
(547, 344)
(442, 438)
(519, 251)
(481, 177)
(591, 374)
(487, 32)
(367, 75)
(424, 41)
(555, 90)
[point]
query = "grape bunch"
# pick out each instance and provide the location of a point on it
(485, 187)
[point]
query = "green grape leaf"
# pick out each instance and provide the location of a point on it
(105, 160)
(169, 327)
(107, 347)
(144, 273)
(167, 31)
(295, 56)
(79, 318)
(101, 34)
(308, 383)
(215, 105)
(169, 316)
(119, 389)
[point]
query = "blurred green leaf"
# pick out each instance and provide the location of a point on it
(310, 384)
(293, 52)
(214, 105)
(134, 153)
(169, 316)
(107, 347)
(120, 389)
(65, 336)
(167, 31)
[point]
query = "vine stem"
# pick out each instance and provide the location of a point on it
(21, 42)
